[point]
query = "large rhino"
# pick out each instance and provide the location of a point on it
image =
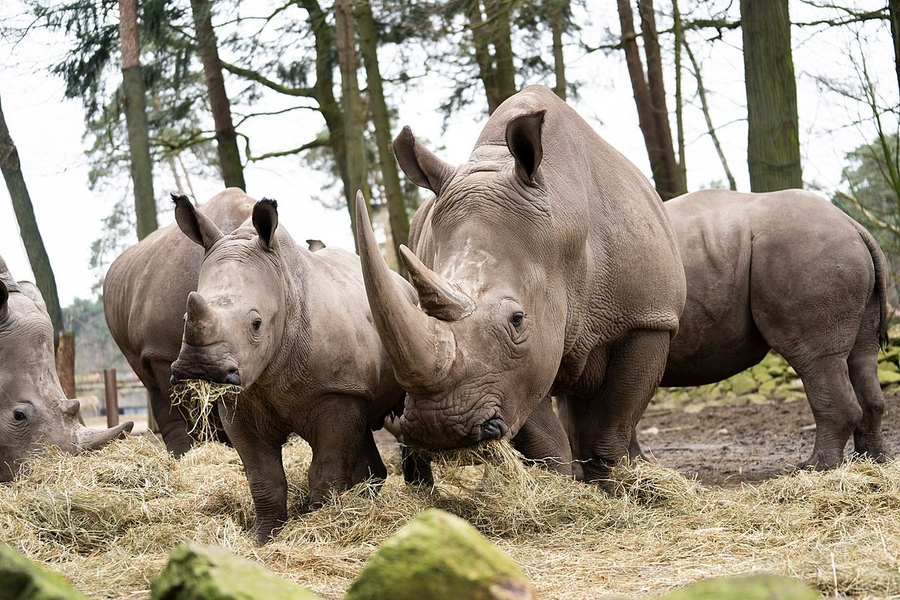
(790, 271)
(545, 264)
(143, 298)
(34, 411)
(293, 328)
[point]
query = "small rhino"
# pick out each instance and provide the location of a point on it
(143, 299)
(34, 410)
(293, 328)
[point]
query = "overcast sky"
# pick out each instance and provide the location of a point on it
(48, 132)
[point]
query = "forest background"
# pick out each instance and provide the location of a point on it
(314, 90)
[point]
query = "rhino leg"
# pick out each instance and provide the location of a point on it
(542, 439)
(260, 453)
(603, 422)
(863, 364)
(172, 426)
(336, 430)
(835, 408)
(416, 468)
(369, 464)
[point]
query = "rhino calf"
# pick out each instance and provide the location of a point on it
(143, 300)
(790, 271)
(293, 328)
(34, 410)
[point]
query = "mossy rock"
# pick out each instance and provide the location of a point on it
(440, 557)
(21, 579)
(887, 376)
(752, 587)
(743, 383)
(204, 573)
(887, 365)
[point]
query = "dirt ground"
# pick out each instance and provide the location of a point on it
(729, 445)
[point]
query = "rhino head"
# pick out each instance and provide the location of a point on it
(34, 410)
(234, 322)
(482, 347)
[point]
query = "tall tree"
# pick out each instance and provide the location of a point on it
(396, 201)
(354, 119)
(136, 118)
(492, 37)
(773, 140)
(557, 11)
(28, 227)
(649, 97)
(894, 17)
(226, 138)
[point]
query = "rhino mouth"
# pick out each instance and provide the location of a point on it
(438, 428)
(208, 363)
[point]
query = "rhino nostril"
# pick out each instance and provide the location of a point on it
(173, 380)
(492, 428)
(233, 377)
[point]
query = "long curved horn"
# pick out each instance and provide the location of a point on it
(438, 297)
(91, 439)
(421, 348)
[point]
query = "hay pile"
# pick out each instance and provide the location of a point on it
(196, 398)
(107, 521)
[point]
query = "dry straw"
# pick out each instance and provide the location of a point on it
(197, 399)
(107, 521)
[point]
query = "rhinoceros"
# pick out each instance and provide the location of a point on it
(34, 410)
(545, 264)
(790, 271)
(292, 328)
(143, 298)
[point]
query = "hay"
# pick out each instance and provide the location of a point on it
(107, 521)
(197, 399)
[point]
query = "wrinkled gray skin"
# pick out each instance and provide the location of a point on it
(790, 271)
(143, 298)
(34, 410)
(544, 265)
(293, 328)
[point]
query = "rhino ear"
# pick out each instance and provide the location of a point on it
(523, 138)
(315, 245)
(4, 302)
(265, 220)
(421, 166)
(195, 224)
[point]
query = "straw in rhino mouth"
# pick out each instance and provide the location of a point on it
(197, 398)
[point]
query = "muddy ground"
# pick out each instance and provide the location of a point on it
(729, 445)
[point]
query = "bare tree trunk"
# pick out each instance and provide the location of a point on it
(894, 16)
(226, 138)
(396, 201)
(28, 227)
(352, 107)
(557, 9)
(669, 183)
(65, 363)
(496, 70)
(701, 91)
(678, 31)
(773, 140)
(134, 97)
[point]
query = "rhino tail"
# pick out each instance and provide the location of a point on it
(881, 278)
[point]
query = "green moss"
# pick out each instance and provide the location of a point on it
(440, 557)
(199, 573)
(752, 587)
(21, 579)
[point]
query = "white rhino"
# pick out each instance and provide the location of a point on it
(291, 327)
(34, 410)
(143, 299)
(790, 271)
(543, 265)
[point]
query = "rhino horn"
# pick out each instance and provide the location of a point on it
(421, 348)
(91, 439)
(438, 297)
(200, 320)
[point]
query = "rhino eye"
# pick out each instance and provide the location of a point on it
(19, 415)
(257, 323)
(517, 320)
